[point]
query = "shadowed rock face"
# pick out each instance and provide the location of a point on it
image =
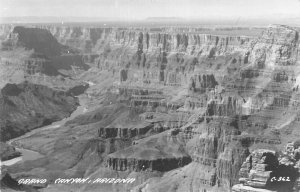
(8, 183)
(123, 132)
(162, 165)
(77, 90)
(40, 40)
(155, 153)
(41, 55)
(27, 106)
(199, 83)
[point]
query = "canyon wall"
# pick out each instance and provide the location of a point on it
(27, 106)
(235, 120)
(201, 108)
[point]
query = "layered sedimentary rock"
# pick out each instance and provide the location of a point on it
(203, 101)
(155, 153)
(112, 132)
(83, 38)
(249, 106)
(169, 39)
(133, 164)
(258, 167)
(234, 108)
(264, 169)
(283, 41)
(199, 83)
(34, 54)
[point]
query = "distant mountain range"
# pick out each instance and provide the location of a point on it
(53, 19)
(259, 20)
(164, 18)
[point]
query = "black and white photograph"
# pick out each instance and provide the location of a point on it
(150, 95)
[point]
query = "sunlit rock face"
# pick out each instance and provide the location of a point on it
(276, 47)
(80, 37)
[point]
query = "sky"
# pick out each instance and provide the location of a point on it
(141, 9)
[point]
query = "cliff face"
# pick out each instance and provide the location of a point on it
(38, 39)
(155, 153)
(34, 54)
(27, 106)
(78, 37)
(265, 169)
(148, 39)
(276, 47)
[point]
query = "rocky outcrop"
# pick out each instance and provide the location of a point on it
(256, 171)
(132, 164)
(154, 153)
(198, 83)
(215, 150)
(250, 139)
(227, 106)
(275, 47)
(264, 169)
(8, 152)
(27, 106)
(109, 132)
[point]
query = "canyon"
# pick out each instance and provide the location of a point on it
(176, 108)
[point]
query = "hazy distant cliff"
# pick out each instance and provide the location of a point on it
(40, 40)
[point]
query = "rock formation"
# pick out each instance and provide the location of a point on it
(264, 169)
(27, 106)
(8, 152)
(34, 54)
